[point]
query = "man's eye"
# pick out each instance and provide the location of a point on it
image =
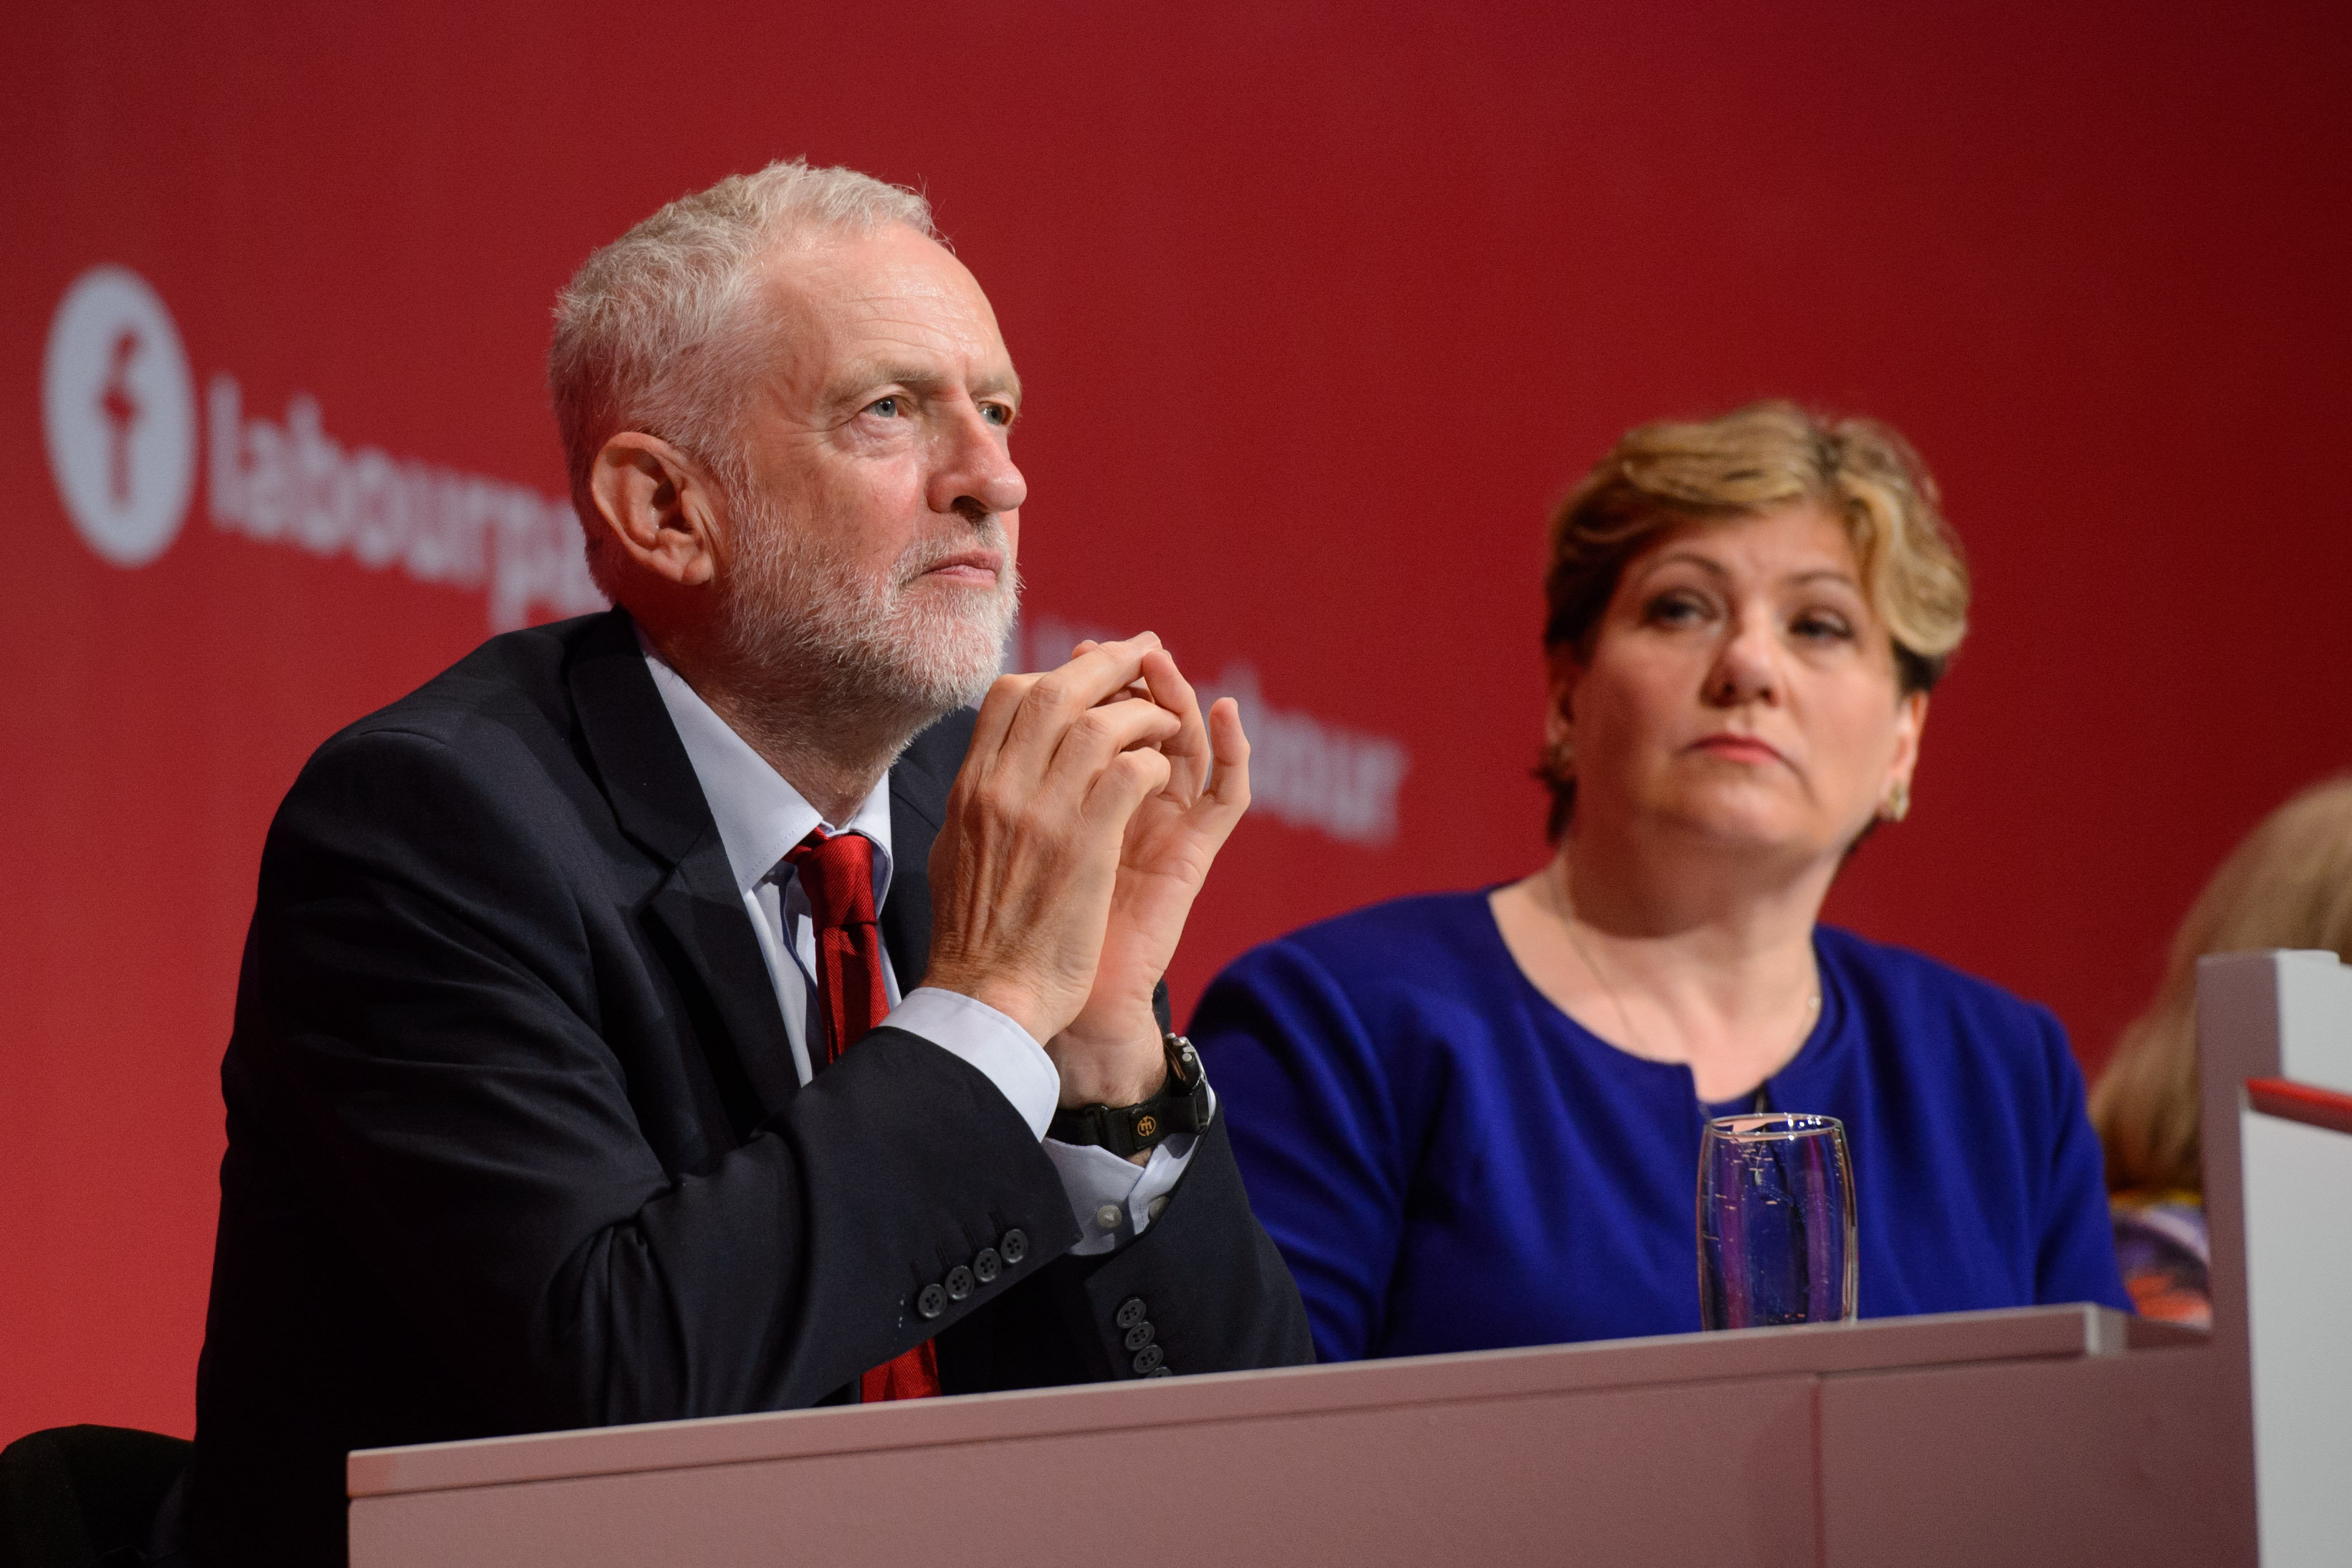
(887, 407)
(997, 414)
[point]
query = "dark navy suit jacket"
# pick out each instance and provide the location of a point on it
(516, 1142)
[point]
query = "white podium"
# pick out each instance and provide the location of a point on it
(2274, 1043)
(2046, 1435)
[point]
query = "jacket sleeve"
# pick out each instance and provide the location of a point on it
(2076, 1258)
(420, 1058)
(1316, 1133)
(1202, 1290)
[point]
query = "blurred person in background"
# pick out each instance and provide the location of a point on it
(2288, 885)
(1473, 1119)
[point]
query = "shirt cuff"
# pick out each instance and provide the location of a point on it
(1006, 1053)
(1113, 1199)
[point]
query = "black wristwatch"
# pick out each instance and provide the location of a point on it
(1181, 1106)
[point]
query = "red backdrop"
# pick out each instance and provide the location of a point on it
(1318, 310)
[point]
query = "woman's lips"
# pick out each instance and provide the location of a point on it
(1738, 748)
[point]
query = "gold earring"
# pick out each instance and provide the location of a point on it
(1898, 802)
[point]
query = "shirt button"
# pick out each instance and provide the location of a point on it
(1130, 1312)
(1013, 1246)
(959, 1283)
(986, 1265)
(1157, 1204)
(931, 1302)
(1108, 1217)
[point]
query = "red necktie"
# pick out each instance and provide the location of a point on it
(836, 874)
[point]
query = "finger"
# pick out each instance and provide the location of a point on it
(1134, 689)
(996, 712)
(1055, 700)
(1228, 795)
(1190, 749)
(1097, 738)
(1115, 794)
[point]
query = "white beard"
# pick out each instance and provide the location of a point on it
(865, 647)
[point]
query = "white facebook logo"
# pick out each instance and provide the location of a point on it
(119, 409)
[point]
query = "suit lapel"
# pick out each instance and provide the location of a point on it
(918, 792)
(696, 916)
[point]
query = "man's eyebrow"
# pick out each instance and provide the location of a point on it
(854, 384)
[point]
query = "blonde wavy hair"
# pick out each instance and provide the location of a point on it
(2288, 885)
(1752, 460)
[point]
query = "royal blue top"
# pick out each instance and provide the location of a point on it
(1450, 1162)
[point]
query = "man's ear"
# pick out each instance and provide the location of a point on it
(659, 508)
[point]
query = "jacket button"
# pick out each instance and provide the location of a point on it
(986, 1265)
(1147, 1359)
(959, 1283)
(1013, 1246)
(1130, 1312)
(1139, 1336)
(931, 1302)
(1157, 1372)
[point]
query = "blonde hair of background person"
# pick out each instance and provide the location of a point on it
(2288, 885)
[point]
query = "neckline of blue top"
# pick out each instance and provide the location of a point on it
(1817, 1044)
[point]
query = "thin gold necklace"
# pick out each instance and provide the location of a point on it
(1556, 885)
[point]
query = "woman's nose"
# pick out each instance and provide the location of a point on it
(1747, 669)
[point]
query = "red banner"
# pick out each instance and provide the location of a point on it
(1316, 313)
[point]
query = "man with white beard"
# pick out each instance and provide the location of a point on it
(697, 1009)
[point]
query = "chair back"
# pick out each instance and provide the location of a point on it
(84, 1497)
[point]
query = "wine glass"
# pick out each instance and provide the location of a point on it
(1775, 1222)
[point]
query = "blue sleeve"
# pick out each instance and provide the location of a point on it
(2077, 1257)
(1314, 1128)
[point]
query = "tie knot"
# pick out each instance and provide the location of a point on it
(836, 872)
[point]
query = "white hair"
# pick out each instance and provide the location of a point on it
(646, 336)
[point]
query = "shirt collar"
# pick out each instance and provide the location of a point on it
(761, 815)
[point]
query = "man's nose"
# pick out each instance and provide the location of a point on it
(976, 474)
(1747, 666)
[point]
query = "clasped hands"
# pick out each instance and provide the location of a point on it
(1082, 825)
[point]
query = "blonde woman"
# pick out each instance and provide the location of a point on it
(2289, 884)
(1473, 1119)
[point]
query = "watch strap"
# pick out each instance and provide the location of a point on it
(1181, 1106)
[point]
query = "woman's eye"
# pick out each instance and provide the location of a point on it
(1675, 610)
(1822, 628)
